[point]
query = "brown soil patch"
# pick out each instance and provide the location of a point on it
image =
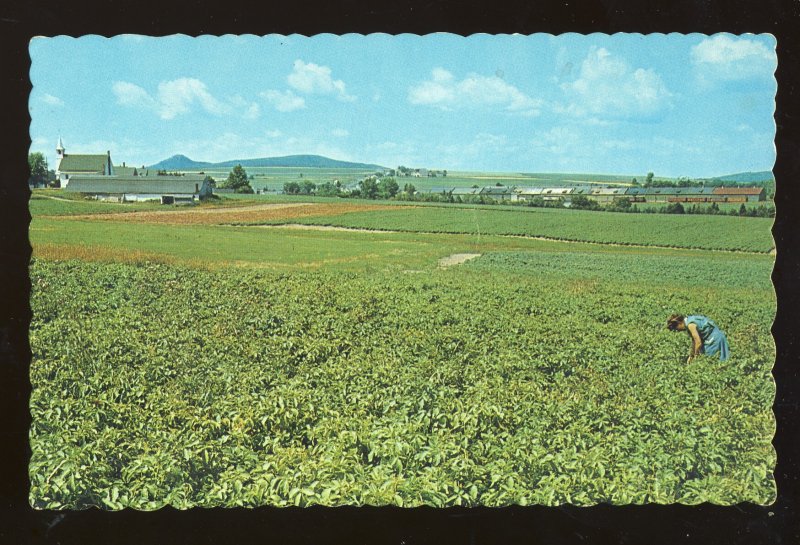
(456, 259)
(241, 214)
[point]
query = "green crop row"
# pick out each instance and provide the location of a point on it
(482, 385)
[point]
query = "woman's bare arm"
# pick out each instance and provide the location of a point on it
(697, 343)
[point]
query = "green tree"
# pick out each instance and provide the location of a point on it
(621, 204)
(369, 188)
(328, 189)
(308, 187)
(648, 181)
(674, 208)
(238, 181)
(409, 189)
(38, 167)
(292, 188)
(582, 202)
(388, 188)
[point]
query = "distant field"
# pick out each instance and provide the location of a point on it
(689, 231)
(278, 248)
(273, 178)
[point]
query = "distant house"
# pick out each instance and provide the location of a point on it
(165, 189)
(606, 194)
(526, 193)
(498, 193)
(743, 194)
(438, 190)
(555, 193)
(465, 191)
(70, 165)
(124, 170)
(635, 194)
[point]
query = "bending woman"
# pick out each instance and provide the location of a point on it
(707, 338)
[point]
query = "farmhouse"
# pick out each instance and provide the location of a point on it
(165, 189)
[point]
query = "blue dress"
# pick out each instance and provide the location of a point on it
(714, 340)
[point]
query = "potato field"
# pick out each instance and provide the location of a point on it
(520, 377)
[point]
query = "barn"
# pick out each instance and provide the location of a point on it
(165, 189)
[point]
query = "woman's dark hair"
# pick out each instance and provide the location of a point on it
(674, 320)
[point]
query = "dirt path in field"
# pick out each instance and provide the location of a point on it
(311, 227)
(62, 199)
(456, 259)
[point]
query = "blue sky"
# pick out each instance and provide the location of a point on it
(677, 105)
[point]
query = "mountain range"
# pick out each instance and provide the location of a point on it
(181, 162)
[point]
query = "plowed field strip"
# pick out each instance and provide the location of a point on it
(263, 212)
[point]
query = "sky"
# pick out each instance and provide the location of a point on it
(676, 105)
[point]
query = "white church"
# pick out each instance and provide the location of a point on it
(70, 165)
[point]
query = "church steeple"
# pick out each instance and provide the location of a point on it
(60, 148)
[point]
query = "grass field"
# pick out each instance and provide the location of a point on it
(181, 360)
(690, 231)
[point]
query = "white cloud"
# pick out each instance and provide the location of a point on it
(173, 98)
(727, 58)
(608, 88)
(444, 91)
(253, 111)
(250, 110)
(312, 78)
(283, 102)
(129, 94)
(52, 100)
(274, 133)
(340, 133)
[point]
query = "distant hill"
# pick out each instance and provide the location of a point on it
(181, 162)
(747, 177)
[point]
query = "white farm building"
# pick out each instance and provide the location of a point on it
(164, 189)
